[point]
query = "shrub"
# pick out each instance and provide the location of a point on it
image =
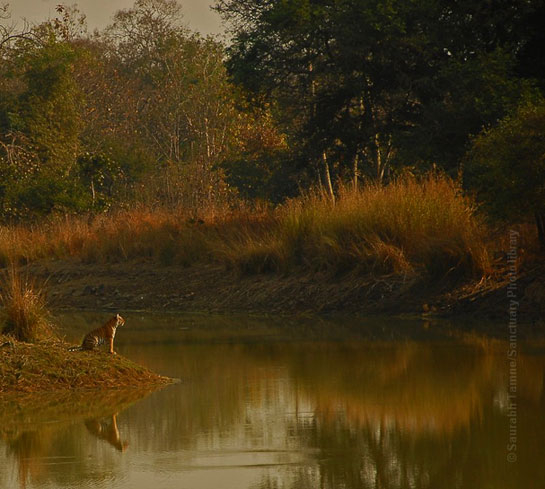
(506, 166)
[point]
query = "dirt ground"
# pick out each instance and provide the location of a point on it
(152, 287)
(145, 286)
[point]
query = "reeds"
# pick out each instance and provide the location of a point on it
(410, 226)
(24, 316)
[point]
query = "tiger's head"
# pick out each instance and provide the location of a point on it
(119, 321)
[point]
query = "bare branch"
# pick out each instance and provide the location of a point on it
(9, 31)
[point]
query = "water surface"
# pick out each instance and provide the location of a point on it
(345, 403)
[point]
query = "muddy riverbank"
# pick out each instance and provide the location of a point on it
(151, 287)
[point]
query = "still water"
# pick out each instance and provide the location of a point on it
(300, 404)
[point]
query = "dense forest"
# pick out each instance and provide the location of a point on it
(321, 94)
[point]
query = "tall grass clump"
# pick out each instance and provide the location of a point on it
(24, 312)
(409, 226)
(414, 226)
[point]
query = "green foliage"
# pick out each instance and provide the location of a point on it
(506, 165)
(47, 109)
(99, 174)
(144, 108)
(46, 194)
(380, 83)
(147, 111)
(470, 94)
(268, 176)
(40, 128)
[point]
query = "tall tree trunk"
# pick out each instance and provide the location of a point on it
(355, 171)
(328, 177)
(379, 164)
(93, 193)
(540, 222)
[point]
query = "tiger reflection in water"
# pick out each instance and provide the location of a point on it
(107, 432)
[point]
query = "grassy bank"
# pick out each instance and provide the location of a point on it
(49, 366)
(34, 359)
(407, 227)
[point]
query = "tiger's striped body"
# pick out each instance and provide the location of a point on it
(99, 336)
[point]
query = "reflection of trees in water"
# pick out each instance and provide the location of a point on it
(430, 424)
(411, 386)
(210, 402)
(396, 415)
(358, 457)
(379, 414)
(38, 445)
(26, 447)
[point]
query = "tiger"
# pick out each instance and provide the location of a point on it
(99, 336)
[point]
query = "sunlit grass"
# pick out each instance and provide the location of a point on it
(50, 366)
(408, 227)
(24, 313)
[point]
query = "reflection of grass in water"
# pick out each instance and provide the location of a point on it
(66, 406)
(26, 426)
(416, 386)
(412, 387)
(530, 361)
(418, 415)
(28, 447)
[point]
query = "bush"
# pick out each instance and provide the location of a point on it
(506, 166)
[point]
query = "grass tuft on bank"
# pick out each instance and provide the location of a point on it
(34, 359)
(411, 226)
(24, 315)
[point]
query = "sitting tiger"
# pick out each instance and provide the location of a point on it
(99, 336)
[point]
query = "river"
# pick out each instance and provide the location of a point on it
(291, 403)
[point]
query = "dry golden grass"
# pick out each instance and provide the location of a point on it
(49, 366)
(24, 313)
(406, 227)
(410, 226)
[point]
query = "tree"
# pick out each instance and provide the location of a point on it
(367, 83)
(181, 103)
(39, 119)
(8, 31)
(310, 57)
(506, 165)
(258, 164)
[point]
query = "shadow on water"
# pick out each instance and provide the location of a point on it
(263, 405)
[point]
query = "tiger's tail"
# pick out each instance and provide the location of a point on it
(75, 348)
